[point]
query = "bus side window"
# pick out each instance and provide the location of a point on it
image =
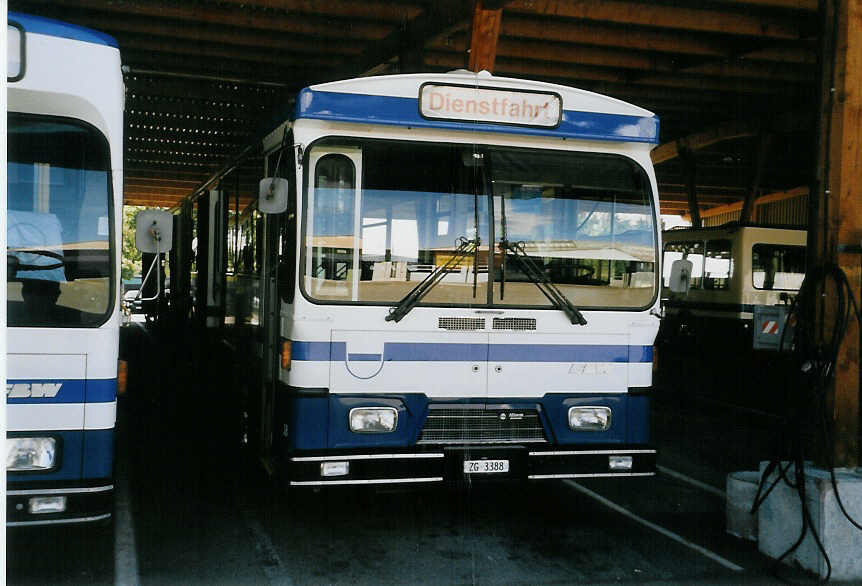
(718, 265)
(334, 192)
(777, 266)
(690, 250)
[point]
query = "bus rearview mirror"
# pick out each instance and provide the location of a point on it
(272, 197)
(154, 231)
(680, 276)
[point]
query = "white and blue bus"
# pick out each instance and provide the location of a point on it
(461, 282)
(64, 166)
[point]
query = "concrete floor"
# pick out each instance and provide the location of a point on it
(191, 511)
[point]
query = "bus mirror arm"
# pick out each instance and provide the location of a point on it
(156, 262)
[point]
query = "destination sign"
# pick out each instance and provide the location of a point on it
(452, 102)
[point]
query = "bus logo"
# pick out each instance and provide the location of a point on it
(32, 390)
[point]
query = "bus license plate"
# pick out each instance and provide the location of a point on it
(485, 466)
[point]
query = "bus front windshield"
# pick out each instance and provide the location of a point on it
(58, 252)
(381, 216)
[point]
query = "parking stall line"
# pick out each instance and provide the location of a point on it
(689, 480)
(276, 572)
(657, 528)
(125, 548)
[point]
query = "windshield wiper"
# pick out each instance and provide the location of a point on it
(416, 294)
(537, 276)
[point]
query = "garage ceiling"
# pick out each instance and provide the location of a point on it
(733, 81)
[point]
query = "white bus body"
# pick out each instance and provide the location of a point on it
(483, 376)
(65, 186)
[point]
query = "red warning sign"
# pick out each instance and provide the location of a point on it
(769, 327)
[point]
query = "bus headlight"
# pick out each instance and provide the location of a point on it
(589, 418)
(30, 453)
(373, 419)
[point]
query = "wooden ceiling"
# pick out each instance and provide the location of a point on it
(733, 81)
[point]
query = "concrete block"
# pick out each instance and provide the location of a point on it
(741, 489)
(780, 522)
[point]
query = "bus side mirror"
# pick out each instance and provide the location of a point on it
(272, 196)
(154, 231)
(680, 276)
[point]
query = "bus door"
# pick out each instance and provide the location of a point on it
(268, 346)
(276, 265)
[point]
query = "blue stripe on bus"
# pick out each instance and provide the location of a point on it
(311, 351)
(56, 28)
(396, 111)
(434, 352)
(363, 357)
(70, 391)
(557, 353)
(454, 352)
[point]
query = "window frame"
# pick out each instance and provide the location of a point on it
(113, 237)
(351, 140)
(732, 264)
(775, 244)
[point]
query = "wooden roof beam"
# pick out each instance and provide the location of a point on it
(640, 63)
(374, 9)
(604, 35)
(806, 5)
(752, 69)
(248, 69)
(221, 51)
(728, 131)
(214, 14)
(789, 122)
(439, 18)
(226, 35)
(706, 20)
(759, 201)
(575, 73)
(587, 44)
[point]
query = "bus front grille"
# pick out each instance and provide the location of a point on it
(477, 425)
(515, 323)
(461, 323)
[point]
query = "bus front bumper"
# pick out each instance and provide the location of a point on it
(462, 463)
(58, 505)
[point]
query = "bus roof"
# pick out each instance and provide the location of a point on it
(56, 28)
(404, 100)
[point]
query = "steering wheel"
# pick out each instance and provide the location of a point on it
(49, 253)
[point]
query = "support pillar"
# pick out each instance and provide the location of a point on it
(835, 230)
(833, 503)
(483, 40)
